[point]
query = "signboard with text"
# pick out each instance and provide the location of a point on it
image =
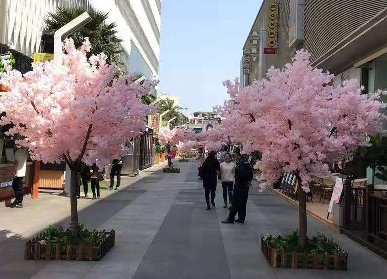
(154, 123)
(272, 27)
(42, 57)
(269, 50)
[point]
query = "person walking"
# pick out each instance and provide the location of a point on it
(200, 162)
(20, 168)
(85, 177)
(169, 156)
(222, 154)
(115, 171)
(210, 170)
(243, 178)
(227, 174)
(95, 177)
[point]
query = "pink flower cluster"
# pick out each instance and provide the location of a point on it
(211, 140)
(298, 119)
(81, 110)
(174, 136)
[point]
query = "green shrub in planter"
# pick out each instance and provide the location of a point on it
(56, 243)
(319, 253)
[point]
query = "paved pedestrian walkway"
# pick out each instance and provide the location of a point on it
(164, 231)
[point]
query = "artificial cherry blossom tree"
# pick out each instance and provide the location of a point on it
(212, 140)
(167, 136)
(300, 122)
(81, 111)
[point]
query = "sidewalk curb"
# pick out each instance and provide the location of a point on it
(133, 179)
(315, 216)
(31, 232)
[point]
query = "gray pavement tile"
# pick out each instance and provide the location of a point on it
(188, 245)
(163, 231)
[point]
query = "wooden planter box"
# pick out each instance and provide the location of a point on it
(37, 250)
(295, 259)
(171, 170)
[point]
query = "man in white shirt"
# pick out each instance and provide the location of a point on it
(20, 168)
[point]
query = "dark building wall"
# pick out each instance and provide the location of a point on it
(283, 53)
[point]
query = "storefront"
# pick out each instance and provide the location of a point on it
(7, 171)
(146, 149)
(130, 164)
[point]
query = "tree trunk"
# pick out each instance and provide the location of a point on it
(74, 201)
(302, 218)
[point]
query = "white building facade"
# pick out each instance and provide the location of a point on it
(138, 25)
(203, 121)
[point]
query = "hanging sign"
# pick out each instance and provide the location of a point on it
(272, 27)
(42, 57)
(336, 193)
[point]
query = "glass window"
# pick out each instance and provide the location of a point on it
(137, 63)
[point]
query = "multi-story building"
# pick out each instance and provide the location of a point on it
(203, 121)
(267, 43)
(21, 24)
(138, 25)
(348, 38)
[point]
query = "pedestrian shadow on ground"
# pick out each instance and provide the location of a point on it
(9, 235)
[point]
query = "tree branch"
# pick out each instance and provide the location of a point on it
(34, 107)
(83, 150)
(333, 131)
(67, 160)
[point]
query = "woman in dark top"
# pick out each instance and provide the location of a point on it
(210, 170)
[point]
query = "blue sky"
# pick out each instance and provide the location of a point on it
(201, 46)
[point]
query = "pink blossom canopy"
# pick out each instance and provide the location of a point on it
(80, 110)
(298, 120)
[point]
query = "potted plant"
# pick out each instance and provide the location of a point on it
(320, 253)
(56, 243)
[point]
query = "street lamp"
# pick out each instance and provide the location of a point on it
(140, 79)
(66, 29)
(161, 119)
(169, 122)
(155, 101)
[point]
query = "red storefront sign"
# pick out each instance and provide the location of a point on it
(269, 50)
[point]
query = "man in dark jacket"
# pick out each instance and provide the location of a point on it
(210, 171)
(115, 171)
(85, 177)
(243, 177)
